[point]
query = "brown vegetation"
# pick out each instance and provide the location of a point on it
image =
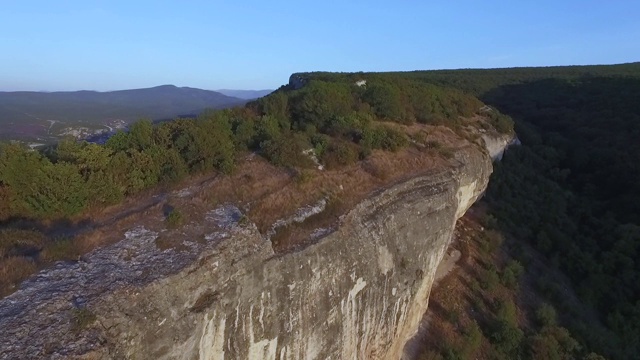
(264, 191)
(489, 306)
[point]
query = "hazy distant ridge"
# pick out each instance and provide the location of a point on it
(32, 115)
(245, 94)
(157, 102)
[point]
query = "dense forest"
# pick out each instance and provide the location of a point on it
(572, 189)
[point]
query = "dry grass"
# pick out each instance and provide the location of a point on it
(167, 241)
(12, 271)
(269, 193)
(60, 249)
(266, 194)
(15, 242)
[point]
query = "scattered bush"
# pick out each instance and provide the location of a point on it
(175, 219)
(511, 274)
(340, 153)
(286, 151)
(303, 176)
(490, 278)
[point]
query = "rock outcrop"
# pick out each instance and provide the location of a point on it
(497, 144)
(357, 293)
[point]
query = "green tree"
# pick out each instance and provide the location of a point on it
(141, 135)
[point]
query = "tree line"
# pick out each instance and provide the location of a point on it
(341, 121)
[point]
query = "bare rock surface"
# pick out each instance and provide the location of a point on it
(359, 292)
(37, 321)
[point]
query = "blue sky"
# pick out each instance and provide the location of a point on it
(110, 45)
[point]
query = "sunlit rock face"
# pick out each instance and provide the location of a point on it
(358, 293)
(497, 144)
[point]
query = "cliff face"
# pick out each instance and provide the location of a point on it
(496, 145)
(359, 292)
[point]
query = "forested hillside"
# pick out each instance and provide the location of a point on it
(571, 190)
(342, 123)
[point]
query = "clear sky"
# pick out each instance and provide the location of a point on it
(109, 45)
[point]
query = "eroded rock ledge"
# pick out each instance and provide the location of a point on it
(359, 292)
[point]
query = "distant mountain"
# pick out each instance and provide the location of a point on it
(245, 94)
(26, 114)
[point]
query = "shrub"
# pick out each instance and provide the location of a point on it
(340, 153)
(446, 152)
(511, 274)
(507, 338)
(490, 278)
(303, 177)
(433, 144)
(320, 143)
(506, 334)
(420, 137)
(383, 137)
(175, 219)
(286, 151)
(472, 340)
(492, 240)
(502, 123)
(553, 342)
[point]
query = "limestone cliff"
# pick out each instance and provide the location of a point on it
(357, 293)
